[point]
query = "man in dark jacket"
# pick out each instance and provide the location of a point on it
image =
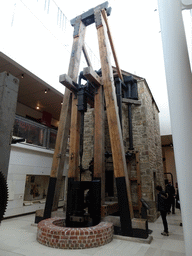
(171, 193)
(163, 207)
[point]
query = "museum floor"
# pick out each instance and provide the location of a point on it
(18, 238)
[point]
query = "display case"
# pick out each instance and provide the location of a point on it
(34, 133)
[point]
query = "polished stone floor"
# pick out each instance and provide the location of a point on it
(18, 238)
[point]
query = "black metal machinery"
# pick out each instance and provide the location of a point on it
(84, 197)
(78, 201)
(145, 207)
(127, 90)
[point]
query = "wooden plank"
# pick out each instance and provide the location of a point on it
(130, 101)
(67, 82)
(92, 76)
(75, 116)
(86, 56)
(128, 180)
(138, 180)
(61, 146)
(62, 136)
(112, 44)
(74, 141)
(65, 117)
(99, 156)
(118, 153)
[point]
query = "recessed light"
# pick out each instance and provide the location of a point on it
(47, 90)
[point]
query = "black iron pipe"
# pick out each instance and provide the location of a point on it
(130, 127)
(119, 98)
(130, 120)
(81, 141)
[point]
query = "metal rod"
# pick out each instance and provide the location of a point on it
(119, 98)
(130, 127)
(130, 120)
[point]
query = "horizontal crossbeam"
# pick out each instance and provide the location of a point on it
(88, 17)
(92, 76)
(130, 101)
(68, 82)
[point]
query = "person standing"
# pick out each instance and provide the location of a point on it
(163, 207)
(178, 200)
(171, 193)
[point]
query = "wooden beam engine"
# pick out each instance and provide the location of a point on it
(99, 86)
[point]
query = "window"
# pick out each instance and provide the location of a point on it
(34, 133)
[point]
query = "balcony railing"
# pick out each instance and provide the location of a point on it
(34, 133)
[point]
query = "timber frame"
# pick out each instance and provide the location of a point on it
(70, 118)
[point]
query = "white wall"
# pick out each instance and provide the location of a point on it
(26, 159)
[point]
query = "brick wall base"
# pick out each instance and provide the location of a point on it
(51, 232)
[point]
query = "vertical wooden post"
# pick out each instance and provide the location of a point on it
(119, 161)
(75, 116)
(99, 157)
(64, 123)
(138, 180)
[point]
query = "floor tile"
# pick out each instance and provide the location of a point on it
(18, 238)
(5, 253)
(174, 246)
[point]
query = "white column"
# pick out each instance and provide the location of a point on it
(179, 84)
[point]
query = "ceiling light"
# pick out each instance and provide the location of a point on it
(37, 107)
(47, 90)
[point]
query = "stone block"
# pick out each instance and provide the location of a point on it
(139, 223)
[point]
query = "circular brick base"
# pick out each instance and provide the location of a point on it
(51, 232)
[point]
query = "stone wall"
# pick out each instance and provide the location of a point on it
(146, 140)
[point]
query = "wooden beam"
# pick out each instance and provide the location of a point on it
(99, 139)
(64, 125)
(127, 177)
(75, 117)
(67, 82)
(112, 44)
(130, 101)
(88, 17)
(61, 147)
(139, 194)
(86, 56)
(92, 76)
(74, 141)
(117, 147)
